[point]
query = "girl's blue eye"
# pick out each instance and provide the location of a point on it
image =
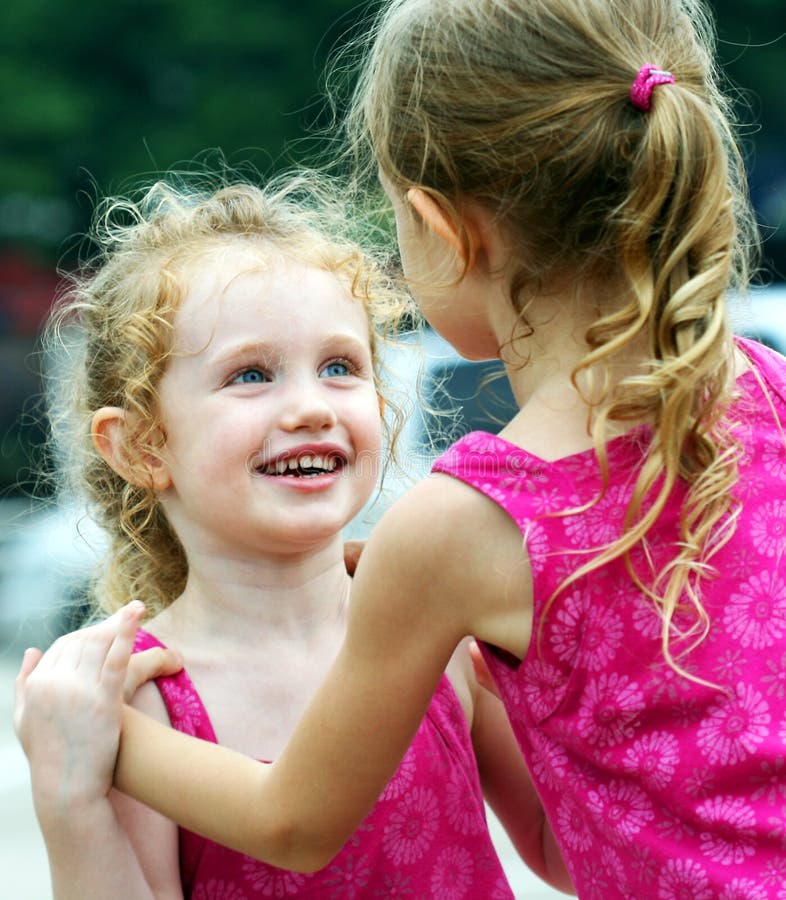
(251, 376)
(336, 368)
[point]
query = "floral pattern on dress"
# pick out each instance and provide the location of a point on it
(185, 711)
(730, 829)
(269, 882)
(549, 760)
(756, 615)
(621, 809)
(734, 726)
(460, 815)
(348, 877)
(743, 889)
(572, 825)
(768, 529)
(654, 758)
(453, 874)
(412, 826)
(684, 878)
(609, 710)
(217, 890)
(774, 461)
(402, 778)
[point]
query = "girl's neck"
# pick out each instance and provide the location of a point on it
(291, 597)
(541, 358)
(541, 355)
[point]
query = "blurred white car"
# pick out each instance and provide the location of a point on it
(48, 554)
(762, 316)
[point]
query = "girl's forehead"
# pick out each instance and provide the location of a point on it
(237, 288)
(227, 259)
(226, 271)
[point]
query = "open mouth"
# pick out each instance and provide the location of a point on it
(307, 465)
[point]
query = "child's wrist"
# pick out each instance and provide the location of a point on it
(71, 818)
(59, 802)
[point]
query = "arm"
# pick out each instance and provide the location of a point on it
(154, 838)
(407, 615)
(67, 714)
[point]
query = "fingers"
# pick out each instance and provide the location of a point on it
(118, 654)
(30, 660)
(88, 649)
(150, 664)
(96, 655)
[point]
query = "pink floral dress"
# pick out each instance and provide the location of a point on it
(425, 838)
(656, 786)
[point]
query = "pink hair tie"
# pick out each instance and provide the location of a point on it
(646, 81)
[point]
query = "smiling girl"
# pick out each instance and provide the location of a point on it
(227, 423)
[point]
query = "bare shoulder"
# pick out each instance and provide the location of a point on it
(459, 554)
(148, 700)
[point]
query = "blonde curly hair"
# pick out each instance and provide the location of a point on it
(524, 106)
(111, 336)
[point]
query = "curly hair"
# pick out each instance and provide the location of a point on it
(523, 106)
(110, 335)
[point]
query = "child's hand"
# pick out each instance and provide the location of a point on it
(150, 664)
(68, 712)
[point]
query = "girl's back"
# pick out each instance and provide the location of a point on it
(676, 782)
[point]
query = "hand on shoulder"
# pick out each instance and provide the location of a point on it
(68, 711)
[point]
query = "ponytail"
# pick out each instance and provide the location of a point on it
(525, 107)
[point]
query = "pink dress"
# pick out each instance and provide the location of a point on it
(425, 838)
(656, 786)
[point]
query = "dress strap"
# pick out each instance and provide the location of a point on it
(186, 711)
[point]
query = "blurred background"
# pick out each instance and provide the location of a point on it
(94, 94)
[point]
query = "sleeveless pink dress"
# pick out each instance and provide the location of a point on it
(425, 838)
(656, 786)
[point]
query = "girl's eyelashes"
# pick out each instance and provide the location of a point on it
(251, 375)
(337, 368)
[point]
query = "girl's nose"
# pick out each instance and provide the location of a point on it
(306, 407)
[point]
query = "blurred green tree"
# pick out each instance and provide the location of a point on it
(752, 52)
(93, 93)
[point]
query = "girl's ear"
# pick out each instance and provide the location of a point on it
(435, 218)
(114, 440)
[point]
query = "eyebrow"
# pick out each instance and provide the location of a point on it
(261, 348)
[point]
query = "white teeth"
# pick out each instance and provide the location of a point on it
(306, 461)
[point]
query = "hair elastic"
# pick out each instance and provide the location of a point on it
(645, 82)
